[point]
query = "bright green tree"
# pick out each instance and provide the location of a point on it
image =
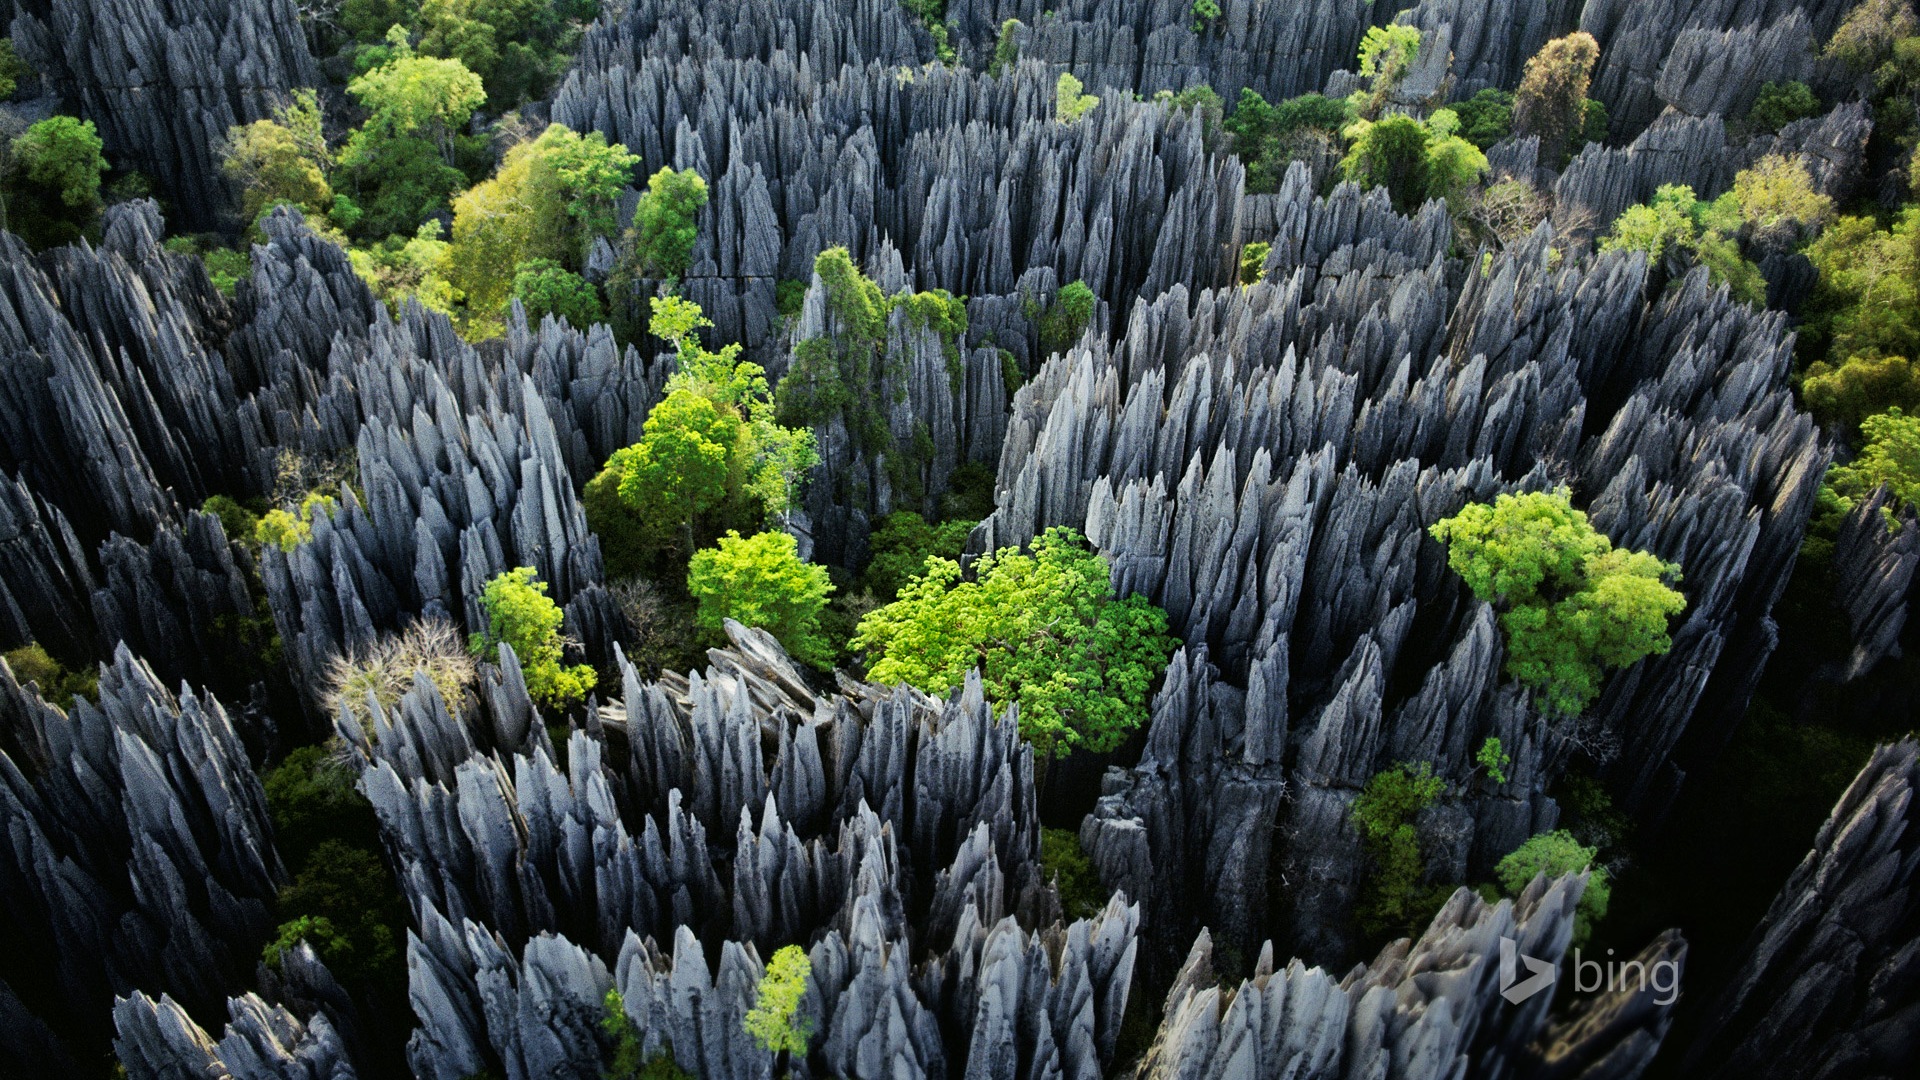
(52, 184)
(1454, 165)
(713, 441)
(1044, 629)
(680, 467)
(1387, 53)
(1676, 227)
(416, 95)
(1551, 100)
(1572, 605)
(760, 581)
(1891, 456)
(1385, 814)
(1067, 317)
(1553, 854)
(402, 268)
(520, 614)
(665, 223)
(1253, 261)
(544, 287)
(774, 1021)
(402, 159)
(1493, 757)
(63, 155)
(1070, 104)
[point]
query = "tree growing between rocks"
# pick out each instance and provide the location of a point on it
(1572, 605)
(521, 615)
(1393, 899)
(774, 1021)
(1070, 105)
(1553, 854)
(1551, 100)
(760, 581)
(1046, 633)
(712, 444)
(52, 181)
(282, 161)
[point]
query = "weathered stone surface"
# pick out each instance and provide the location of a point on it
(1421, 1010)
(1831, 980)
(165, 79)
(138, 854)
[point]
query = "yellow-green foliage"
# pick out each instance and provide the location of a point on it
(1253, 262)
(1045, 631)
(1675, 225)
(59, 686)
(774, 1021)
(760, 581)
(1863, 327)
(521, 615)
(1891, 456)
(1069, 103)
(1571, 604)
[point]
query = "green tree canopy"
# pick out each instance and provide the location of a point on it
(1891, 456)
(775, 1021)
(1553, 854)
(713, 441)
(415, 95)
(1067, 317)
(544, 287)
(1781, 103)
(1677, 229)
(1486, 117)
(902, 545)
(520, 614)
(1571, 604)
(760, 581)
(1385, 814)
(681, 464)
(1389, 153)
(1863, 324)
(1266, 137)
(550, 199)
(62, 154)
(1454, 165)
(1387, 53)
(52, 184)
(665, 223)
(1069, 103)
(1046, 632)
